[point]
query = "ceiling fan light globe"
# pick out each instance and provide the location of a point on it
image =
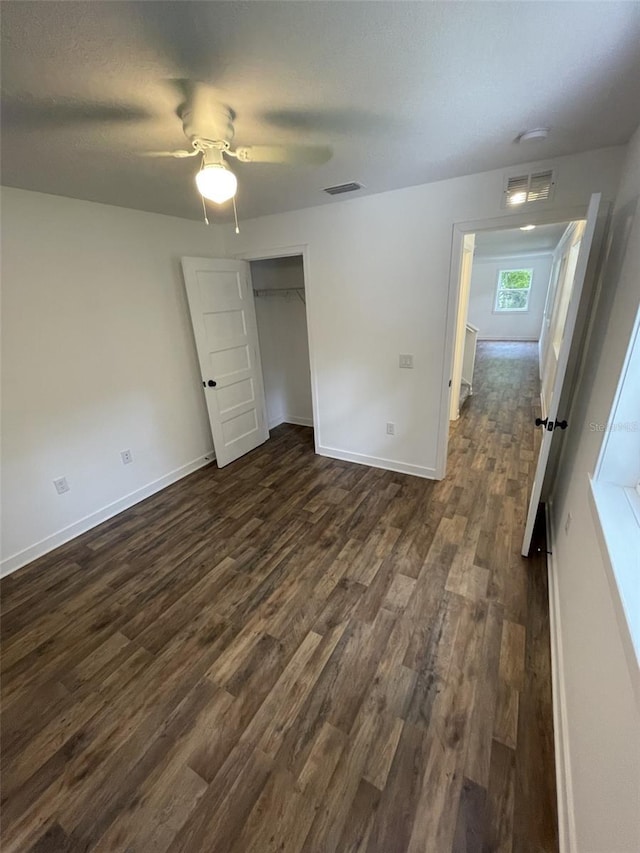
(216, 183)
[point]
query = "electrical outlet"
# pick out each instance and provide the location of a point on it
(126, 456)
(405, 359)
(567, 523)
(391, 428)
(61, 485)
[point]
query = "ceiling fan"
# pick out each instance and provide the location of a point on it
(208, 126)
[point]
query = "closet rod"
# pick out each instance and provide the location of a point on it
(282, 291)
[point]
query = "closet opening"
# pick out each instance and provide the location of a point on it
(281, 318)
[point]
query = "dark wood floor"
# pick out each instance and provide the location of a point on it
(294, 654)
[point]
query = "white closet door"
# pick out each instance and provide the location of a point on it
(224, 325)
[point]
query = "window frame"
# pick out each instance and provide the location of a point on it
(614, 500)
(499, 289)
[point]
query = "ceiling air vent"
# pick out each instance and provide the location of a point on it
(352, 186)
(520, 189)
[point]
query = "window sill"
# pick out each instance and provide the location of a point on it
(634, 499)
(618, 531)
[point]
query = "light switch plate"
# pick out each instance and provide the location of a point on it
(406, 360)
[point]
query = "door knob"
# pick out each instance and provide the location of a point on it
(211, 383)
(561, 424)
(540, 422)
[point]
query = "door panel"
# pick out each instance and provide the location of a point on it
(562, 327)
(559, 308)
(224, 326)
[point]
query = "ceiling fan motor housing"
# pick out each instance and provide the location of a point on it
(209, 126)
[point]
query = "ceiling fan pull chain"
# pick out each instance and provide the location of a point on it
(235, 213)
(204, 206)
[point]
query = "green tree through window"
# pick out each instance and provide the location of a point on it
(514, 287)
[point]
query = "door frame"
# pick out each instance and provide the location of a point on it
(454, 306)
(289, 252)
(459, 341)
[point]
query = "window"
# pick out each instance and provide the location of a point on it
(615, 487)
(514, 287)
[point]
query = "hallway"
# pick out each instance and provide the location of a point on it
(294, 653)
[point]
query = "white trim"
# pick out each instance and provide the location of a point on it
(378, 462)
(508, 338)
(287, 252)
(479, 258)
(290, 419)
(564, 785)
(617, 533)
(540, 360)
(634, 340)
(266, 254)
(38, 549)
(294, 419)
(596, 282)
(512, 220)
(543, 407)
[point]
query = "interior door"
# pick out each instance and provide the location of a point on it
(559, 305)
(543, 344)
(224, 325)
(563, 325)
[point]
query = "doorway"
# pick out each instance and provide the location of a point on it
(222, 303)
(281, 318)
(549, 316)
(507, 276)
(507, 295)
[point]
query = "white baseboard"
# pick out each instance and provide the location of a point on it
(507, 339)
(38, 549)
(378, 462)
(290, 419)
(274, 422)
(293, 419)
(566, 815)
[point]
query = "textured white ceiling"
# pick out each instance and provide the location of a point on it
(512, 241)
(405, 92)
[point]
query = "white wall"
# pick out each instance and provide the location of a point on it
(377, 285)
(284, 344)
(494, 326)
(598, 680)
(98, 356)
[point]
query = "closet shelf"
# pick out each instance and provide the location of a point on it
(284, 292)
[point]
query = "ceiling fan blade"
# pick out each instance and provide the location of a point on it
(53, 113)
(328, 121)
(292, 155)
(177, 154)
(188, 37)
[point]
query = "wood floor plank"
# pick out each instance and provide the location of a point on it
(500, 800)
(294, 653)
(471, 819)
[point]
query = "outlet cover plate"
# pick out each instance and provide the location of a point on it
(61, 485)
